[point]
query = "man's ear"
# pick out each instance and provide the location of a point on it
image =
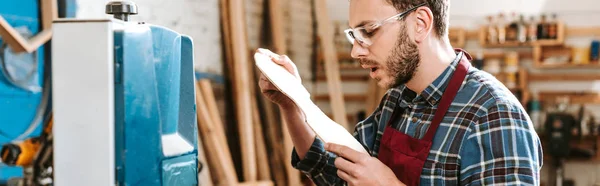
(424, 23)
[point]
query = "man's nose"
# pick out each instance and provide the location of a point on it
(358, 51)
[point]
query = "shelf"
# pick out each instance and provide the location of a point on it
(574, 98)
(542, 42)
(526, 44)
(568, 65)
(522, 55)
(563, 77)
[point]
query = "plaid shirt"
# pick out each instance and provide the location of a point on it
(486, 137)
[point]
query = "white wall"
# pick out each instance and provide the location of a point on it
(198, 19)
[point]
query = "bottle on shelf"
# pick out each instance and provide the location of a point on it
(478, 61)
(521, 30)
(553, 27)
(492, 34)
(501, 28)
(513, 27)
(595, 51)
(532, 30)
(542, 29)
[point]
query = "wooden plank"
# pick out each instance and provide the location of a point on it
(9, 35)
(224, 8)
(277, 29)
(274, 137)
(262, 163)
(325, 32)
(211, 103)
(241, 83)
(19, 44)
(204, 177)
(264, 171)
(293, 176)
(49, 13)
(258, 183)
(219, 157)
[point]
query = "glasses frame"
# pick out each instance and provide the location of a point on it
(366, 42)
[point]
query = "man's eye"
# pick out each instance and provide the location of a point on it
(368, 32)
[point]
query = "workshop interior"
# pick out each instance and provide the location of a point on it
(157, 92)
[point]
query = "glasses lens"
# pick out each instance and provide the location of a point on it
(359, 36)
(350, 36)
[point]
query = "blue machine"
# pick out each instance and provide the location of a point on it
(155, 128)
(23, 107)
(155, 99)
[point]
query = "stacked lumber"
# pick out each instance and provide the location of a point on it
(252, 145)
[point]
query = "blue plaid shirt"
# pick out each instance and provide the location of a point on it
(486, 137)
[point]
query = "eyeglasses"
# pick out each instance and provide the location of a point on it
(363, 34)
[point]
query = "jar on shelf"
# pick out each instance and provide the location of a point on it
(511, 61)
(492, 66)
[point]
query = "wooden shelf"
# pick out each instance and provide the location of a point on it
(574, 98)
(508, 44)
(568, 65)
(583, 31)
(564, 77)
(522, 55)
(457, 37)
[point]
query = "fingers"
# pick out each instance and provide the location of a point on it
(345, 176)
(345, 165)
(345, 152)
(282, 60)
(265, 85)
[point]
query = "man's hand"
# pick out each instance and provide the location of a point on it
(361, 169)
(268, 89)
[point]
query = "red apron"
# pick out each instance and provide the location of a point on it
(406, 155)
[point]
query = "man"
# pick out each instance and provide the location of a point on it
(441, 122)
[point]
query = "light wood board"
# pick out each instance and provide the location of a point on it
(241, 83)
(328, 130)
(219, 157)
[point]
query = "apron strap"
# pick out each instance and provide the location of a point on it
(448, 96)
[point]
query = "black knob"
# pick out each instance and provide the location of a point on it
(121, 9)
(10, 154)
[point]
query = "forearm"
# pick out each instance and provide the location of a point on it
(301, 134)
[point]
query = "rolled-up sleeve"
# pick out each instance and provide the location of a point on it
(501, 148)
(317, 164)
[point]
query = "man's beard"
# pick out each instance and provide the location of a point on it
(403, 60)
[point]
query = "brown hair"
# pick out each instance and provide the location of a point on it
(439, 8)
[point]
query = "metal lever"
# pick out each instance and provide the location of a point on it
(121, 9)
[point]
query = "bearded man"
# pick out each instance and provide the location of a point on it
(441, 122)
